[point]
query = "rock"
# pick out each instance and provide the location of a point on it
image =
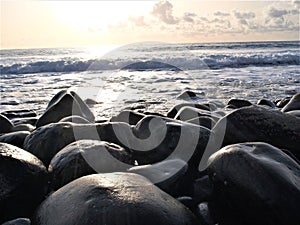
(187, 95)
(6, 125)
(63, 105)
(294, 113)
(86, 157)
(22, 184)
(75, 119)
(188, 113)
(204, 215)
(152, 140)
(157, 138)
(293, 104)
(46, 141)
(204, 121)
(112, 199)
(202, 189)
(15, 138)
(170, 176)
(19, 221)
(255, 183)
(266, 102)
(26, 120)
(187, 201)
(283, 102)
(128, 116)
(23, 127)
(174, 110)
(22, 113)
(91, 101)
(239, 103)
(259, 124)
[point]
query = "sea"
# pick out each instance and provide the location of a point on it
(149, 75)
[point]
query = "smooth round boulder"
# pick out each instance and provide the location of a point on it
(23, 182)
(6, 124)
(238, 103)
(256, 123)
(75, 119)
(85, 157)
(282, 102)
(170, 176)
(188, 113)
(255, 183)
(266, 102)
(19, 221)
(187, 95)
(174, 110)
(294, 113)
(23, 127)
(15, 138)
(128, 116)
(66, 105)
(204, 121)
(293, 104)
(112, 199)
(157, 138)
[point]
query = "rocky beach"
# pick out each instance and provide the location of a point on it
(200, 163)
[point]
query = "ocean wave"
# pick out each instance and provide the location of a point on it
(216, 61)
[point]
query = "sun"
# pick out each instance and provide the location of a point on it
(97, 15)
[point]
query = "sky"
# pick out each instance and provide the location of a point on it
(43, 24)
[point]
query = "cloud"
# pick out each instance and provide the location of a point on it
(244, 15)
(164, 11)
(222, 14)
(189, 17)
(275, 13)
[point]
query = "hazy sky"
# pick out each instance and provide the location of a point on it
(27, 24)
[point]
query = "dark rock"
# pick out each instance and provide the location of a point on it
(202, 189)
(188, 113)
(283, 102)
(86, 157)
(173, 111)
(170, 176)
(266, 102)
(259, 124)
(187, 95)
(75, 119)
(152, 140)
(19, 221)
(22, 184)
(128, 116)
(255, 183)
(293, 104)
(204, 121)
(92, 101)
(157, 138)
(112, 199)
(15, 138)
(26, 120)
(22, 113)
(188, 202)
(204, 215)
(294, 113)
(6, 124)
(239, 103)
(46, 141)
(23, 127)
(67, 105)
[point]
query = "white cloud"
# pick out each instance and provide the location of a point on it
(164, 11)
(222, 14)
